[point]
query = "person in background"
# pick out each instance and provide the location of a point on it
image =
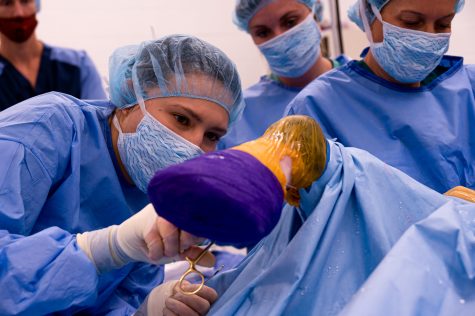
(28, 67)
(406, 102)
(287, 34)
(72, 170)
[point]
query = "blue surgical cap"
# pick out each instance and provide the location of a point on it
(175, 66)
(354, 10)
(246, 9)
(38, 5)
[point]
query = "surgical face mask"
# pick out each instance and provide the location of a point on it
(406, 55)
(294, 52)
(18, 29)
(152, 147)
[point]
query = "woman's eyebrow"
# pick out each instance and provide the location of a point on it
(219, 130)
(411, 12)
(286, 16)
(188, 111)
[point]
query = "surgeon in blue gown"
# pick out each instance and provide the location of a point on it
(405, 102)
(73, 170)
(29, 67)
(288, 35)
(366, 240)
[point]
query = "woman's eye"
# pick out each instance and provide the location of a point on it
(212, 136)
(444, 26)
(262, 33)
(183, 120)
(411, 23)
(290, 23)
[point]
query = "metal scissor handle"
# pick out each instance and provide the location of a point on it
(192, 269)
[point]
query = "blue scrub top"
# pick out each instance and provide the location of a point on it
(58, 177)
(61, 69)
(266, 102)
(427, 132)
(363, 228)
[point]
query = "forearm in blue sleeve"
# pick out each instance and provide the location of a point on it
(43, 273)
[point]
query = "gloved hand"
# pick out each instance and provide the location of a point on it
(143, 237)
(462, 192)
(167, 299)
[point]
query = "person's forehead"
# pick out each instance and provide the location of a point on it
(276, 9)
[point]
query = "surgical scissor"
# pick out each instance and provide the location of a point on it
(192, 269)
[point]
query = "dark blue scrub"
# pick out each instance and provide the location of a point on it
(61, 69)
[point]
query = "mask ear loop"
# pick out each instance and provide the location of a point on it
(115, 121)
(138, 94)
(364, 18)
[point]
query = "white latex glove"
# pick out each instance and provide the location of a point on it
(144, 237)
(167, 299)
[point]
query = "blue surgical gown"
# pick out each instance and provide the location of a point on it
(61, 69)
(58, 177)
(320, 254)
(266, 102)
(427, 132)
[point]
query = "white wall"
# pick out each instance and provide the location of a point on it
(99, 26)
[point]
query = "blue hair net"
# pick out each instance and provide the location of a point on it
(354, 11)
(38, 5)
(246, 9)
(175, 65)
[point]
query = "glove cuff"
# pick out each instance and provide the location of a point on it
(101, 247)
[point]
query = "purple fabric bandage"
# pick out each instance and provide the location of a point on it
(227, 196)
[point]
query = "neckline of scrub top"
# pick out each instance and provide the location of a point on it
(45, 54)
(273, 78)
(438, 71)
(452, 63)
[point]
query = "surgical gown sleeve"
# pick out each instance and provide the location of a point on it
(91, 84)
(43, 273)
(46, 271)
(42, 269)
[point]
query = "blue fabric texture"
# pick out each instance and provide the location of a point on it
(61, 69)
(152, 147)
(355, 16)
(426, 132)
(430, 270)
(266, 102)
(294, 52)
(320, 254)
(175, 66)
(61, 178)
(246, 9)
